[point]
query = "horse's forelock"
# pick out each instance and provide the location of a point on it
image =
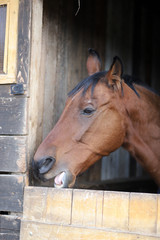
(87, 82)
(95, 78)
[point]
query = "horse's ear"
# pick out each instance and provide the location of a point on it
(114, 75)
(93, 62)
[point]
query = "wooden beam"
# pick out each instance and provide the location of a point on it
(30, 230)
(9, 236)
(24, 25)
(67, 210)
(35, 110)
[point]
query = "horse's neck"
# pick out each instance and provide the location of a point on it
(143, 129)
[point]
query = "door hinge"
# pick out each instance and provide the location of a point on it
(17, 89)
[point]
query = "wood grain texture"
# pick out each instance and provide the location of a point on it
(64, 211)
(13, 153)
(143, 213)
(48, 205)
(32, 230)
(65, 49)
(10, 55)
(9, 236)
(87, 208)
(13, 116)
(9, 224)
(158, 217)
(35, 110)
(24, 41)
(11, 193)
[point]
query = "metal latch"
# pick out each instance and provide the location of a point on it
(17, 89)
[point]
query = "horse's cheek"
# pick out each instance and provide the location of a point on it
(113, 132)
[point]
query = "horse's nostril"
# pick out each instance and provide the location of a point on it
(46, 164)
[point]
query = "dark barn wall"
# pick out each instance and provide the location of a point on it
(133, 35)
(66, 39)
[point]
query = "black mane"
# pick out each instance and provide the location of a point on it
(87, 82)
(94, 79)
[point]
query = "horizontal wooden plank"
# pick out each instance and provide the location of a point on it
(9, 236)
(9, 224)
(87, 208)
(13, 153)
(48, 204)
(5, 90)
(143, 213)
(31, 230)
(11, 193)
(115, 210)
(119, 211)
(13, 115)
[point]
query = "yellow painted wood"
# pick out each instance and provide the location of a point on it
(34, 204)
(87, 208)
(34, 231)
(11, 36)
(47, 205)
(115, 210)
(87, 214)
(158, 214)
(58, 206)
(143, 213)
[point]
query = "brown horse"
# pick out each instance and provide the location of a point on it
(102, 113)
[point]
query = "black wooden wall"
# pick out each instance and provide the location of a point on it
(13, 134)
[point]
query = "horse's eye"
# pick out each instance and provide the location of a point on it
(88, 111)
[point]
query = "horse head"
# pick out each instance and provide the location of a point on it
(92, 125)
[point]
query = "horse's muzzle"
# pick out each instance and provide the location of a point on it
(42, 166)
(63, 179)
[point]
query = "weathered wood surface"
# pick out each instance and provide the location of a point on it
(9, 236)
(24, 41)
(23, 51)
(42, 231)
(11, 33)
(13, 153)
(35, 110)
(66, 40)
(11, 193)
(9, 227)
(86, 214)
(5, 91)
(13, 116)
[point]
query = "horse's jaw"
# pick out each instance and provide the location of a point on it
(64, 180)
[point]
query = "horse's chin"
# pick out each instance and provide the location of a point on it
(64, 180)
